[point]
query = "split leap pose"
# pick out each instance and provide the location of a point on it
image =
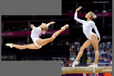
(35, 36)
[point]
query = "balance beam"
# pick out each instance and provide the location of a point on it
(74, 70)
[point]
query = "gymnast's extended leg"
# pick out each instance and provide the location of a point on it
(21, 47)
(42, 42)
(85, 45)
(95, 45)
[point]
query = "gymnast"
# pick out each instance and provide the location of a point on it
(92, 38)
(35, 36)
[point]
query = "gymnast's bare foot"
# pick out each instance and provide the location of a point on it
(65, 27)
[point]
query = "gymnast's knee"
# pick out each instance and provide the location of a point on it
(97, 53)
(82, 49)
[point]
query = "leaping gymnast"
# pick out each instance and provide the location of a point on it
(92, 38)
(35, 36)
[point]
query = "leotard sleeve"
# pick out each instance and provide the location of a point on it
(96, 30)
(77, 19)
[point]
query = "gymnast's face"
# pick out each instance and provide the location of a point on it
(44, 28)
(88, 15)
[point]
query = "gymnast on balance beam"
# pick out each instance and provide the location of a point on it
(92, 38)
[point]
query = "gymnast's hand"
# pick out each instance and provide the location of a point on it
(52, 22)
(78, 8)
(32, 26)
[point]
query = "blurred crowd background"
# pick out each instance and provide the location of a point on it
(105, 59)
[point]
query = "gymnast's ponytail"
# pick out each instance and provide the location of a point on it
(93, 16)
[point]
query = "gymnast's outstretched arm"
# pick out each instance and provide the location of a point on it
(22, 47)
(32, 26)
(76, 17)
(50, 23)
